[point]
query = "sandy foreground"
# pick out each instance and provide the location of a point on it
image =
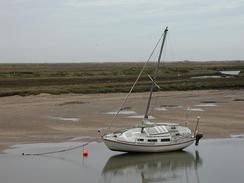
(56, 118)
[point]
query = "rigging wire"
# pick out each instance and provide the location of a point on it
(138, 77)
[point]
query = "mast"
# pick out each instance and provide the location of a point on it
(155, 74)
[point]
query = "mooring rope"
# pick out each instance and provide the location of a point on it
(53, 152)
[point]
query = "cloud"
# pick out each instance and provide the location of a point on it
(123, 29)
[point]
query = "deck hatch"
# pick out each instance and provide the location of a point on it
(156, 130)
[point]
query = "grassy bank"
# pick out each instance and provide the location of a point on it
(29, 79)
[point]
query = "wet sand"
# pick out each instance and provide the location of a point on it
(57, 118)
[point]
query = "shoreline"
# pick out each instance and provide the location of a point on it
(92, 140)
(58, 118)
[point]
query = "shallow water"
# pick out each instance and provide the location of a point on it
(213, 161)
(235, 73)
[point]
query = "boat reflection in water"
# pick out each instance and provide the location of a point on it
(177, 166)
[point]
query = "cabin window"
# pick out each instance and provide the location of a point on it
(165, 140)
(152, 140)
(140, 140)
(177, 134)
(173, 127)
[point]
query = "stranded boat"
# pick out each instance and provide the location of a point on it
(151, 136)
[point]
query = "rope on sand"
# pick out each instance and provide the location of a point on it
(53, 152)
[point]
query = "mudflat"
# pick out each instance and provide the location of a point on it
(55, 118)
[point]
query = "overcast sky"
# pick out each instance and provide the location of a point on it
(119, 30)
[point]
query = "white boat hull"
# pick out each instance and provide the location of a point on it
(135, 147)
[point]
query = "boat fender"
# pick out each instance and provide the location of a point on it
(198, 137)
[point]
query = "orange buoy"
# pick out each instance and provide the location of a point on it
(85, 153)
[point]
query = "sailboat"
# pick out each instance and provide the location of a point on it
(152, 136)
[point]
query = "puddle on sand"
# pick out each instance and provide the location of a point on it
(124, 112)
(166, 107)
(140, 117)
(73, 103)
(239, 100)
(160, 109)
(237, 136)
(209, 102)
(219, 161)
(65, 119)
(206, 105)
(195, 109)
(206, 77)
(171, 106)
